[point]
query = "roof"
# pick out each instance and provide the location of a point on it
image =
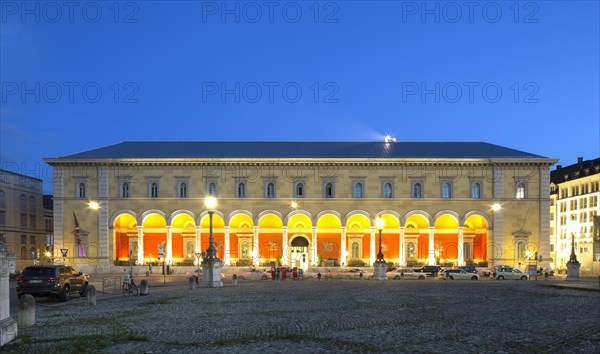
(575, 171)
(296, 149)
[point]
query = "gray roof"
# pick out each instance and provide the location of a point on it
(291, 149)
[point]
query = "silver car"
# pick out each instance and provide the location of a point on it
(510, 273)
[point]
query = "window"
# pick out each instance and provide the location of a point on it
(410, 250)
(23, 219)
(299, 191)
(23, 239)
(154, 190)
(573, 204)
(358, 190)
(21, 181)
(2, 218)
(387, 190)
(270, 190)
(583, 203)
(212, 189)
(594, 201)
(32, 239)
(182, 190)
(551, 216)
(32, 221)
(329, 192)
(563, 220)
(3, 178)
(23, 252)
(2, 199)
(417, 190)
(32, 204)
(475, 190)
(125, 190)
(467, 251)
(23, 202)
(521, 250)
(446, 190)
(355, 250)
(551, 248)
(521, 190)
(81, 190)
(241, 190)
(583, 217)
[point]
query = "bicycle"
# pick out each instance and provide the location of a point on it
(129, 286)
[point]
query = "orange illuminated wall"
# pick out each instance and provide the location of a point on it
(423, 251)
(122, 245)
(479, 247)
(392, 241)
(177, 242)
(151, 242)
(264, 240)
(333, 245)
(448, 246)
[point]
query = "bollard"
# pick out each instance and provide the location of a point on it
(192, 282)
(319, 276)
(144, 288)
(361, 276)
(235, 279)
(90, 295)
(26, 311)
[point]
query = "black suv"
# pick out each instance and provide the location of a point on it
(51, 280)
(469, 268)
(431, 270)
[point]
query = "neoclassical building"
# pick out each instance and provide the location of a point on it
(302, 203)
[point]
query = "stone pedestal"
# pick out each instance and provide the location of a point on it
(573, 270)
(380, 271)
(211, 273)
(8, 326)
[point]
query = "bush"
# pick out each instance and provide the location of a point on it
(246, 262)
(356, 263)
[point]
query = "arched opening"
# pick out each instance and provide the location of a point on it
(300, 249)
(475, 234)
(270, 228)
(329, 230)
(300, 225)
(183, 239)
(445, 240)
(416, 240)
(125, 232)
(155, 235)
(241, 234)
(390, 238)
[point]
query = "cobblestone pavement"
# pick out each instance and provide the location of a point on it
(327, 316)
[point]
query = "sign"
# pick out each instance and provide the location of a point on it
(532, 269)
(161, 250)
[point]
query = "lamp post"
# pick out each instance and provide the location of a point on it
(573, 264)
(496, 207)
(380, 266)
(211, 275)
(64, 252)
(198, 256)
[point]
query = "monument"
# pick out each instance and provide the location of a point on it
(380, 265)
(8, 326)
(573, 264)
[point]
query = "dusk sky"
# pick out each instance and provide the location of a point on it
(76, 78)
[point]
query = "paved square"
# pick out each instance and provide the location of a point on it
(328, 316)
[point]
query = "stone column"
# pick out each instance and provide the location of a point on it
(227, 250)
(8, 326)
(141, 244)
(372, 247)
(284, 246)
(431, 247)
(401, 252)
(343, 247)
(169, 255)
(498, 219)
(103, 242)
(315, 256)
(58, 217)
(461, 250)
(256, 248)
(544, 235)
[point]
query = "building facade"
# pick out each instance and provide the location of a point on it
(23, 218)
(302, 203)
(574, 215)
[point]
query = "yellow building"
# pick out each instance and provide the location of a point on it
(575, 190)
(25, 222)
(442, 203)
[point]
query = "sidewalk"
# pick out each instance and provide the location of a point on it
(585, 283)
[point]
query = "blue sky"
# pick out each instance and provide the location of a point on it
(81, 77)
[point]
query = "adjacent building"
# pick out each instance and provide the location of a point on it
(574, 215)
(24, 222)
(302, 204)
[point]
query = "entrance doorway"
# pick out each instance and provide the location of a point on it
(299, 252)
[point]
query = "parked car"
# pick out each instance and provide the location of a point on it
(404, 273)
(51, 280)
(442, 273)
(253, 274)
(501, 268)
(431, 270)
(456, 274)
(469, 268)
(510, 273)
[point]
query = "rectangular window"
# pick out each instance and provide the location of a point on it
(2, 218)
(21, 181)
(23, 239)
(594, 202)
(583, 203)
(573, 217)
(23, 220)
(32, 240)
(583, 217)
(551, 247)
(32, 221)
(551, 216)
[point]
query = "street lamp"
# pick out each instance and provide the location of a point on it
(380, 266)
(64, 252)
(212, 264)
(380, 223)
